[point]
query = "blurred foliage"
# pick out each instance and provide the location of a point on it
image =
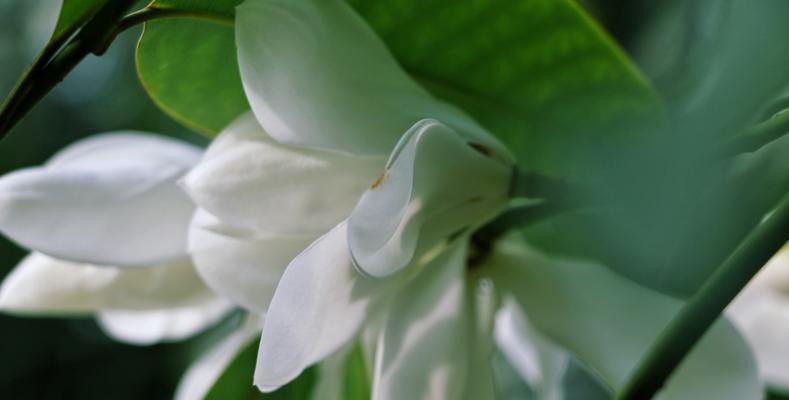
(673, 207)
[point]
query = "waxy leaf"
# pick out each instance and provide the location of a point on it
(187, 64)
(536, 72)
(188, 67)
(530, 70)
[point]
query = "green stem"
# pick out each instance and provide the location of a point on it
(94, 37)
(758, 135)
(152, 13)
(534, 185)
(554, 196)
(20, 91)
(517, 217)
(706, 305)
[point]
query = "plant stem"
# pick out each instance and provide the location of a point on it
(556, 195)
(94, 37)
(534, 185)
(151, 13)
(706, 305)
(516, 217)
(758, 135)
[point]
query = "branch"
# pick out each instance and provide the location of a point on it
(706, 305)
(758, 135)
(152, 13)
(534, 185)
(552, 197)
(94, 37)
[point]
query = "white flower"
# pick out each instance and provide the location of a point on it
(329, 104)
(107, 226)
(761, 311)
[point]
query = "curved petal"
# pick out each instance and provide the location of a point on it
(608, 322)
(242, 266)
(761, 312)
(426, 346)
(167, 324)
(315, 74)
(435, 185)
(538, 361)
(248, 180)
(107, 200)
(320, 304)
(203, 373)
(44, 285)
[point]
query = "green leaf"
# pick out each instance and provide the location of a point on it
(189, 69)
(188, 65)
(236, 382)
(536, 72)
(531, 70)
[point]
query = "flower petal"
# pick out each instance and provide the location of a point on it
(428, 337)
(203, 373)
(242, 266)
(761, 312)
(250, 181)
(44, 285)
(107, 200)
(539, 362)
(167, 324)
(609, 322)
(435, 185)
(315, 74)
(320, 304)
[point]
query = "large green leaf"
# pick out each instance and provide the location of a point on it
(680, 210)
(189, 69)
(531, 70)
(537, 72)
(188, 64)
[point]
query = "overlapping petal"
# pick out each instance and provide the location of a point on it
(44, 285)
(167, 324)
(107, 200)
(320, 304)
(609, 322)
(242, 265)
(316, 74)
(428, 339)
(761, 312)
(248, 180)
(538, 361)
(435, 185)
